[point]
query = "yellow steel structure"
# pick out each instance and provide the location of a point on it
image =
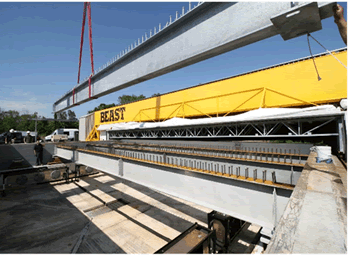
(285, 85)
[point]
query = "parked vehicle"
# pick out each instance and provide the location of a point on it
(70, 132)
(24, 133)
(59, 138)
(17, 136)
(2, 137)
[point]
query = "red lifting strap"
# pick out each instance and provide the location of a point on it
(90, 34)
(86, 6)
(81, 43)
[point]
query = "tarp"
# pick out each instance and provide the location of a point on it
(253, 115)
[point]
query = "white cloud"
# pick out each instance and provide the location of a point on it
(20, 93)
(43, 109)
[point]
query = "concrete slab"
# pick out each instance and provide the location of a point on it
(320, 182)
(128, 231)
(28, 226)
(104, 179)
(102, 195)
(95, 242)
(148, 221)
(51, 218)
(315, 219)
(318, 228)
(108, 220)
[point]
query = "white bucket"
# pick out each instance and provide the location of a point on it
(324, 153)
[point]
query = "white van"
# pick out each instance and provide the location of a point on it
(67, 131)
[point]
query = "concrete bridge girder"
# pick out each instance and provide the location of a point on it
(248, 201)
(206, 31)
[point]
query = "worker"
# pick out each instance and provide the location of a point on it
(38, 152)
(28, 138)
(13, 138)
(340, 21)
(9, 137)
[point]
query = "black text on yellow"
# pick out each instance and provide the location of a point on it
(112, 115)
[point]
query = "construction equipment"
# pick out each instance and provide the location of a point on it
(196, 239)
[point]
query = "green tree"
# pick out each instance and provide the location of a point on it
(42, 126)
(9, 123)
(11, 119)
(50, 127)
(54, 124)
(71, 114)
(23, 122)
(124, 99)
(2, 114)
(62, 115)
(156, 94)
(101, 107)
(74, 125)
(31, 125)
(13, 113)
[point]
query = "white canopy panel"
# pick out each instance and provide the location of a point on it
(250, 116)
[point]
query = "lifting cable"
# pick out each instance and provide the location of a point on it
(86, 6)
(319, 78)
(309, 35)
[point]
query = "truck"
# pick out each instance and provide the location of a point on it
(24, 133)
(70, 132)
(59, 137)
(17, 137)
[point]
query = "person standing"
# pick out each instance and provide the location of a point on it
(340, 21)
(9, 137)
(38, 151)
(28, 138)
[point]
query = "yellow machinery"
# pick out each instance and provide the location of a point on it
(292, 84)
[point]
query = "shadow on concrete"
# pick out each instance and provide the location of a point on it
(15, 152)
(152, 211)
(41, 220)
(10, 158)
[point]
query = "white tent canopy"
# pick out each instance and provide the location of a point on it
(253, 115)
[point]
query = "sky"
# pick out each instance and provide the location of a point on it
(40, 44)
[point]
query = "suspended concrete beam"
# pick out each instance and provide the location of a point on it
(206, 31)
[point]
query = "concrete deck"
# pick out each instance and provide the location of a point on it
(66, 218)
(315, 219)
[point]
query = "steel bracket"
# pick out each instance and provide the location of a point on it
(298, 21)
